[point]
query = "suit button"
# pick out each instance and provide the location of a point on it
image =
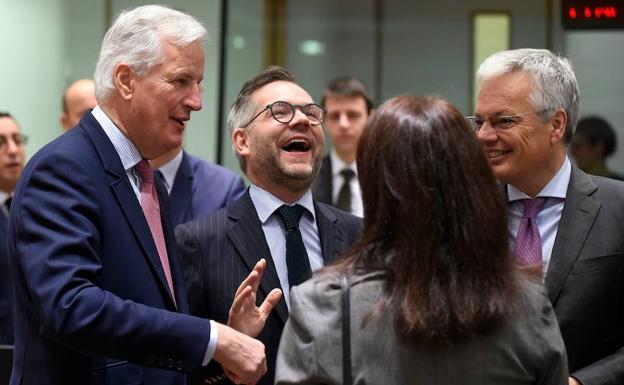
(179, 365)
(170, 363)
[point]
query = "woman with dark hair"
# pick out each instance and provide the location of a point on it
(434, 293)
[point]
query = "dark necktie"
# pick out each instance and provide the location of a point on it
(7, 203)
(297, 261)
(343, 202)
(528, 247)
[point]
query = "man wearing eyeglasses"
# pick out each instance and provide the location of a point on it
(277, 136)
(561, 220)
(12, 156)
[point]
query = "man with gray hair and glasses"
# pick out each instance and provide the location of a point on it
(562, 222)
(99, 291)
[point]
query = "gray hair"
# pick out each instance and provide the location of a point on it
(244, 108)
(555, 83)
(136, 39)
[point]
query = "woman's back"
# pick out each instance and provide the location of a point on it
(526, 349)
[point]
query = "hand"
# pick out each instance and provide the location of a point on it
(242, 358)
(245, 316)
(573, 381)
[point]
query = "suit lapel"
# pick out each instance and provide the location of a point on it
(126, 198)
(181, 192)
(248, 238)
(577, 219)
(331, 236)
(322, 187)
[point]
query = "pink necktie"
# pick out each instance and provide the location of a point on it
(151, 209)
(528, 248)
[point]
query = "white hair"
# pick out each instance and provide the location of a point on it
(136, 39)
(555, 83)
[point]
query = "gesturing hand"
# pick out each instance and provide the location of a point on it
(245, 316)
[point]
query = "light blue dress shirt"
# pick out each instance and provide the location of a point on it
(547, 219)
(130, 156)
(274, 232)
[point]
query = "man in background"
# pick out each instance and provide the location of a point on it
(348, 106)
(277, 136)
(593, 142)
(196, 187)
(561, 221)
(78, 98)
(12, 157)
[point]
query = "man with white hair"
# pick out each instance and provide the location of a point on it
(99, 292)
(562, 221)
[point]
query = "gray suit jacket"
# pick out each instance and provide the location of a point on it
(585, 278)
(526, 350)
(218, 251)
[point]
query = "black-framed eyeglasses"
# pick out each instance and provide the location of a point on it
(18, 139)
(284, 112)
(502, 122)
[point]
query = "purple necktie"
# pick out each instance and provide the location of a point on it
(528, 248)
(151, 209)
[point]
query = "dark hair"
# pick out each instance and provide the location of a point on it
(434, 220)
(243, 107)
(597, 130)
(347, 86)
(5, 115)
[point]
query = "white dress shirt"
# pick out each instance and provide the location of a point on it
(547, 219)
(337, 165)
(274, 232)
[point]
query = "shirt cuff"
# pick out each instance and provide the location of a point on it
(212, 343)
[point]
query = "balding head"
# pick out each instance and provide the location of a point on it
(77, 100)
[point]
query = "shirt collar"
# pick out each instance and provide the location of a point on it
(170, 169)
(556, 188)
(338, 164)
(127, 151)
(266, 203)
(3, 197)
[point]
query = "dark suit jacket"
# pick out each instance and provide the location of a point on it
(585, 278)
(93, 305)
(201, 188)
(322, 186)
(526, 350)
(217, 253)
(6, 287)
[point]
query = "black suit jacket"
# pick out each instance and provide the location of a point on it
(322, 186)
(218, 252)
(585, 278)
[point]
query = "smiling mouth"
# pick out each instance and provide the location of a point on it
(297, 145)
(496, 154)
(179, 121)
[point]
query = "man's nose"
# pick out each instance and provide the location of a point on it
(194, 99)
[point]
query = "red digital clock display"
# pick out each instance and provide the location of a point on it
(592, 14)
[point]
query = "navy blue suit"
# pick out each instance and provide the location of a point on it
(6, 287)
(93, 305)
(201, 188)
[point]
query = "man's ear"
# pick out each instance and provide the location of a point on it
(240, 141)
(124, 80)
(559, 121)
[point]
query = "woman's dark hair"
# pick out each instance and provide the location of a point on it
(434, 220)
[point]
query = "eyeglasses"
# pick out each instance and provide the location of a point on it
(18, 139)
(503, 122)
(284, 112)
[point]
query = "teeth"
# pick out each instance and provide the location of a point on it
(494, 154)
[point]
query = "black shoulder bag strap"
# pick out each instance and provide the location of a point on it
(346, 329)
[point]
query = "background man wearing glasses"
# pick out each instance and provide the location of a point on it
(11, 165)
(560, 219)
(277, 136)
